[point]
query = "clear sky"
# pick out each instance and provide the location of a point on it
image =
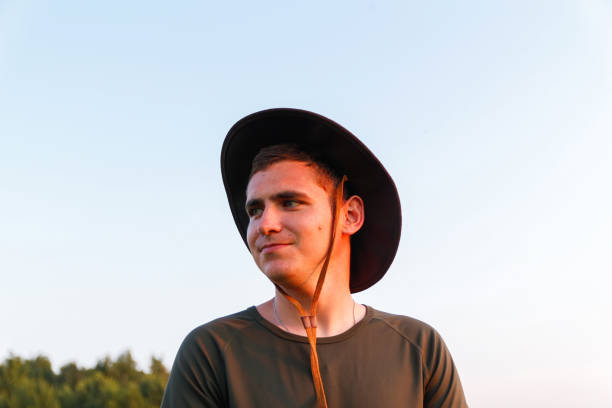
(494, 118)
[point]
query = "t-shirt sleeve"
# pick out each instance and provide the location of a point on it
(194, 378)
(442, 385)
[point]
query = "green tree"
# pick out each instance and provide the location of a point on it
(70, 374)
(32, 383)
(97, 391)
(124, 369)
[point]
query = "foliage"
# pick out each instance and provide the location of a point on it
(110, 384)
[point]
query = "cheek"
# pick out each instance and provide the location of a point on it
(251, 237)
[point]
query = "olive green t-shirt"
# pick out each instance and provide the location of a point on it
(243, 360)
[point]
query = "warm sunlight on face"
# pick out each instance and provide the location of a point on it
(290, 217)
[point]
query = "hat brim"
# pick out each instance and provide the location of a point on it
(375, 245)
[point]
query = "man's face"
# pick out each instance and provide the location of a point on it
(290, 220)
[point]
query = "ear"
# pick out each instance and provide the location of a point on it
(354, 215)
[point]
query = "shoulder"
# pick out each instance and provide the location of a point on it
(221, 331)
(442, 385)
(421, 336)
(415, 331)
(198, 375)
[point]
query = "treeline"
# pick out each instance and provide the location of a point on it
(110, 384)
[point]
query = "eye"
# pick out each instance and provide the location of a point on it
(290, 203)
(254, 212)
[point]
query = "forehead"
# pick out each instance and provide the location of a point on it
(285, 175)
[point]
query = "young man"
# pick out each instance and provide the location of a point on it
(322, 219)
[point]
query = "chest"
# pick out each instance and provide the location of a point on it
(356, 373)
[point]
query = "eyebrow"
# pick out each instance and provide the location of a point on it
(283, 195)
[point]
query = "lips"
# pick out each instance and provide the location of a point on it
(272, 247)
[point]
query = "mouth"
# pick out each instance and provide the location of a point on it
(272, 247)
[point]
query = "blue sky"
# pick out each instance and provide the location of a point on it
(494, 118)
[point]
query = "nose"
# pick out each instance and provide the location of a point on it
(269, 221)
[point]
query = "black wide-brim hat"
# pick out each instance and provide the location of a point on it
(374, 246)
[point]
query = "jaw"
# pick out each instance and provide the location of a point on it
(282, 272)
(292, 276)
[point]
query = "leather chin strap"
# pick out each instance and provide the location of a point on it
(309, 321)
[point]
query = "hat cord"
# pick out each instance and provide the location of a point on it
(309, 321)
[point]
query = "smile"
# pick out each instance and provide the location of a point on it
(272, 248)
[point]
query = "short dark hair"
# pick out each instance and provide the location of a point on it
(269, 155)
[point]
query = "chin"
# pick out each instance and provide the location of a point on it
(281, 275)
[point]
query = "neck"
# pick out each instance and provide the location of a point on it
(336, 310)
(335, 314)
